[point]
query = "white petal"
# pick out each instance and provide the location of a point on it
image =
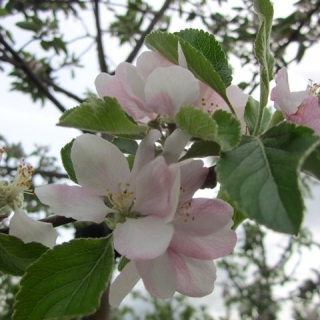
(123, 284)
(101, 82)
(73, 202)
(30, 230)
(174, 145)
(99, 165)
(181, 57)
(143, 238)
(145, 152)
(159, 276)
(167, 89)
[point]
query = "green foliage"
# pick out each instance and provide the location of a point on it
(67, 281)
(261, 176)
(67, 162)
(200, 149)
(126, 145)
(102, 115)
(16, 256)
(122, 263)
(311, 165)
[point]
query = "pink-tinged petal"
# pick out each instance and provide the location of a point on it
(167, 89)
(148, 61)
(143, 238)
(174, 145)
(102, 83)
(145, 152)
(286, 101)
(30, 230)
(123, 284)
(238, 100)
(195, 277)
(99, 165)
(193, 175)
(159, 276)
(308, 114)
(212, 246)
(157, 189)
(73, 202)
(182, 58)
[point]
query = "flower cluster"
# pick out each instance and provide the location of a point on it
(11, 199)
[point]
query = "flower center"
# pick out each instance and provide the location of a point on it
(314, 89)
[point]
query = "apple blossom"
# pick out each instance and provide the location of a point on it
(300, 107)
(202, 232)
(11, 199)
(155, 86)
(141, 202)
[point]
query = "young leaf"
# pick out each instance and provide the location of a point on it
(102, 115)
(200, 149)
(229, 130)
(16, 256)
(66, 282)
(29, 25)
(211, 49)
(196, 122)
(67, 162)
(167, 45)
(261, 175)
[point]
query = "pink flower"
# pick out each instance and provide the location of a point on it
(300, 107)
(202, 232)
(157, 87)
(142, 202)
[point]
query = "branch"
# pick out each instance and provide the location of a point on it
(101, 55)
(153, 22)
(33, 77)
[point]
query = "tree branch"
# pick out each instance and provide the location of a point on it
(32, 76)
(101, 55)
(151, 26)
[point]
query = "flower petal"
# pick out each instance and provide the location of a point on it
(102, 82)
(145, 152)
(99, 165)
(30, 230)
(167, 89)
(193, 175)
(174, 145)
(143, 238)
(159, 276)
(157, 189)
(73, 202)
(123, 284)
(195, 277)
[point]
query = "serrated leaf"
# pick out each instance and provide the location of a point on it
(229, 130)
(251, 115)
(102, 115)
(167, 45)
(264, 10)
(196, 122)
(126, 145)
(67, 162)
(16, 256)
(200, 149)
(261, 175)
(211, 49)
(66, 282)
(122, 263)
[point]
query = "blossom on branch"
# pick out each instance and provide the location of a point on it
(21, 225)
(202, 232)
(301, 107)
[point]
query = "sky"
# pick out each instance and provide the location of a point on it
(32, 124)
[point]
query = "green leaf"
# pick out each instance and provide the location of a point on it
(130, 160)
(261, 175)
(67, 162)
(16, 256)
(211, 49)
(200, 149)
(311, 166)
(167, 45)
(196, 122)
(229, 130)
(66, 281)
(251, 115)
(126, 145)
(264, 10)
(102, 115)
(29, 25)
(122, 263)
